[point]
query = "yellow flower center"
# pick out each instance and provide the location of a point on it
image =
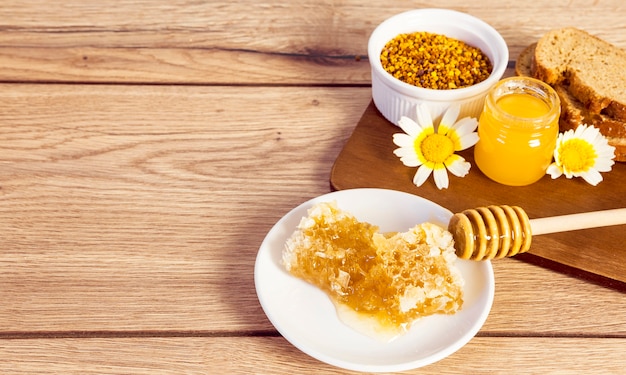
(577, 155)
(436, 148)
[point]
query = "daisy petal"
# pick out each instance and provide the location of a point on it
(423, 172)
(582, 152)
(403, 140)
(409, 126)
(568, 173)
(403, 151)
(458, 166)
(588, 132)
(465, 125)
(567, 136)
(592, 176)
(604, 164)
(441, 178)
(554, 171)
(407, 157)
(410, 161)
(579, 131)
(607, 152)
(467, 141)
(423, 147)
(424, 119)
(449, 117)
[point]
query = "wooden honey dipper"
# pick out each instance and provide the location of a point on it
(494, 232)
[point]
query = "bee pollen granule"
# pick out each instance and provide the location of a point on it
(434, 61)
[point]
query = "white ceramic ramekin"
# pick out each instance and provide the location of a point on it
(394, 98)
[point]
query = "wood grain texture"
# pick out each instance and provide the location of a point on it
(147, 147)
(274, 355)
(367, 160)
(112, 197)
(243, 42)
(118, 215)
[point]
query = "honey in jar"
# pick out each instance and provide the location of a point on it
(518, 129)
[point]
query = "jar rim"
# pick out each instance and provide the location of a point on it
(523, 85)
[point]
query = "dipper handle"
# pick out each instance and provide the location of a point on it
(497, 231)
(584, 220)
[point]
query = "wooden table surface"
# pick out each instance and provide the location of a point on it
(147, 147)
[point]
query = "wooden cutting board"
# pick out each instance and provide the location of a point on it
(597, 254)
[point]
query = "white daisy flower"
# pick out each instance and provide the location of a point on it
(433, 149)
(583, 152)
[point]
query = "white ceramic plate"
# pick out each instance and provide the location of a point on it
(306, 317)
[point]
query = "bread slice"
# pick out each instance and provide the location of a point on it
(389, 281)
(524, 63)
(593, 68)
(573, 111)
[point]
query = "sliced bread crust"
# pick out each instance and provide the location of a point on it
(592, 67)
(525, 60)
(573, 111)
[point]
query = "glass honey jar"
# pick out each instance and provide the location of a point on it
(518, 128)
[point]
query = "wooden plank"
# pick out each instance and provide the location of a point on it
(214, 42)
(368, 161)
(274, 355)
(121, 215)
(173, 65)
(131, 214)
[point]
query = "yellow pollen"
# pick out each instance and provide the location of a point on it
(577, 155)
(436, 148)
